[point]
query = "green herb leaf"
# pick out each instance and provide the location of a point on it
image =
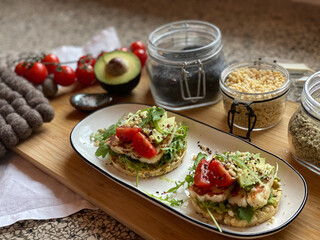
(276, 173)
(178, 185)
(199, 157)
(157, 114)
(245, 213)
(189, 179)
(172, 201)
(154, 114)
(102, 150)
(214, 220)
(178, 144)
(137, 178)
(101, 136)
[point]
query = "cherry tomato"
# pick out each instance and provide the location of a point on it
(218, 175)
(64, 76)
(101, 54)
(87, 59)
(201, 178)
(85, 74)
(124, 49)
(142, 55)
(21, 68)
(143, 146)
(125, 134)
(53, 59)
(138, 45)
(36, 73)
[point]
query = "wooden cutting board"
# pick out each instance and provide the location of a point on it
(50, 150)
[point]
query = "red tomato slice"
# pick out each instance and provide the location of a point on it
(125, 134)
(218, 175)
(201, 178)
(143, 146)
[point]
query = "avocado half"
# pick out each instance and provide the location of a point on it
(118, 72)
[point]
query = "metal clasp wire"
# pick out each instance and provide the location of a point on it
(250, 114)
(184, 78)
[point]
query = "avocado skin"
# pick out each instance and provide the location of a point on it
(123, 88)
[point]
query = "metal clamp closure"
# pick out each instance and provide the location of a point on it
(184, 82)
(251, 116)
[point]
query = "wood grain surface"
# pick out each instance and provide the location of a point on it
(50, 150)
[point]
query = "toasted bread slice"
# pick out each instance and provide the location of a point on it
(260, 215)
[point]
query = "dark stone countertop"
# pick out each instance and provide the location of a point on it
(250, 29)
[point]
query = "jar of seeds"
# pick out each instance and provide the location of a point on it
(254, 95)
(304, 126)
(184, 64)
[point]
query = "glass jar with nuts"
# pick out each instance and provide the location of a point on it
(304, 126)
(254, 94)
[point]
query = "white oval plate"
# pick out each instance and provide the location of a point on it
(294, 186)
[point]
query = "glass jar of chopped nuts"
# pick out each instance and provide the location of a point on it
(304, 126)
(254, 94)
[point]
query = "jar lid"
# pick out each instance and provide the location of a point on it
(310, 98)
(185, 41)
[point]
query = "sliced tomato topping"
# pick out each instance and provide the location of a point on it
(125, 134)
(201, 178)
(218, 175)
(143, 146)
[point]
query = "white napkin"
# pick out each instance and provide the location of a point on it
(106, 40)
(28, 193)
(25, 191)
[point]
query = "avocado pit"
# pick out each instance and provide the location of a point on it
(117, 66)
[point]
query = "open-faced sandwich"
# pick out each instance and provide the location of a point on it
(148, 143)
(235, 188)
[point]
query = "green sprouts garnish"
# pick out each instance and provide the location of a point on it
(179, 184)
(172, 202)
(276, 173)
(101, 136)
(137, 178)
(178, 144)
(154, 114)
(214, 220)
(245, 213)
